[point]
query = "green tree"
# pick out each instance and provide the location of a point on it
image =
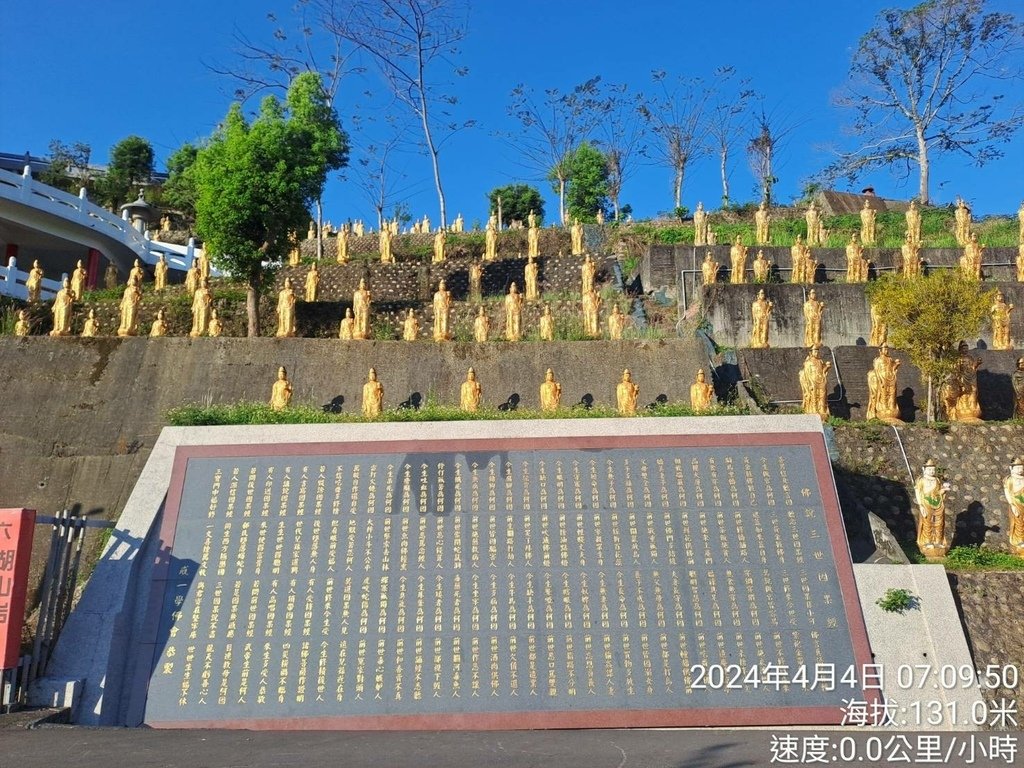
(179, 191)
(925, 80)
(131, 164)
(928, 317)
(517, 200)
(256, 182)
(69, 166)
(588, 183)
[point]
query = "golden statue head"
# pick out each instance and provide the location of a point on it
(138, 264)
(348, 312)
(549, 375)
(440, 286)
(282, 374)
(362, 283)
(812, 295)
(626, 375)
(287, 282)
(408, 313)
(700, 375)
(760, 294)
(372, 375)
(479, 311)
(470, 375)
(1020, 363)
(883, 350)
(313, 267)
(35, 264)
(547, 310)
(815, 351)
(79, 265)
(92, 314)
(65, 282)
(513, 289)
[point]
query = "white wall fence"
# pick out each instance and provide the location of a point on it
(27, 191)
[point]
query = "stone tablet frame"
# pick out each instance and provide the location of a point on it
(655, 437)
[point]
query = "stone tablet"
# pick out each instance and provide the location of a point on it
(654, 580)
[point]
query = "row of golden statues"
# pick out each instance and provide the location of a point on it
(385, 241)
(817, 235)
(934, 535)
(702, 394)
(814, 309)
(958, 392)
(804, 265)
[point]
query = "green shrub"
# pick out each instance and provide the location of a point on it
(979, 558)
(896, 601)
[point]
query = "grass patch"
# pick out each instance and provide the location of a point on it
(896, 601)
(981, 559)
(261, 413)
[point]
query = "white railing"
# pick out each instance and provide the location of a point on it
(26, 190)
(12, 283)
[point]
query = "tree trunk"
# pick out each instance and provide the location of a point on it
(319, 229)
(677, 187)
(252, 306)
(615, 205)
(922, 161)
(561, 200)
(725, 178)
(930, 415)
(422, 87)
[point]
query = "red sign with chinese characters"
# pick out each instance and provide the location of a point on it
(16, 529)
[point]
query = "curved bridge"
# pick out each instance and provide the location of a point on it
(37, 206)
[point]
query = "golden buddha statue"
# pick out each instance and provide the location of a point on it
(476, 277)
(110, 276)
(798, 256)
(962, 219)
(702, 394)
(469, 395)
(159, 327)
(481, 326)
(1000, 312)
(137, 273)
(700, 225)
(22, 327)
(459, 224)
(311, 231)
(386, 256)
(626, 393)
(160, 273)
(709, 269)
(1013, 490)
(576, 237)
(867, 223)
(761, 311)
(970, 262)
(410, 326)
(442, 304)
(91, 327)
(959, 392)
(930, 494)
(913, 217)
(215, 328)
(530, 273)
(129, 325)
(879, 330)
(295, 252)
(439, 243)
(616, 323)
(761, 221)
(281, 393)
(550, 392)
(192, 277)
(513, 314)
(373, 396)
(532, 237)
(591, 312)
(347, 328)
(912, 262)
(341, 245)
(204, 265)
(34, 282)
(61, 309)
(1017, 382)
(738, 260)
(312, 283)
(491, 240)
(813, 310)
(813, 218)
(202, 303)
(762, 268)
(588, 272)
(882, 388)
(361, 301)
(547, 324)
(1020, 263)
(814, 384)
(78, 278)
(286, 326)
(856, 264)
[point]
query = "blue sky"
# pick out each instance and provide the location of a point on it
(99, 71)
